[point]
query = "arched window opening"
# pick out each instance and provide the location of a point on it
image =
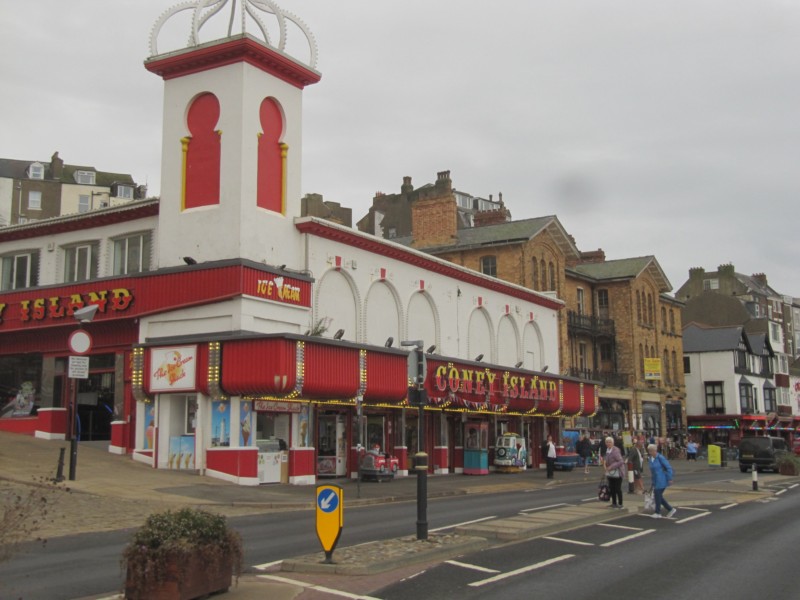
(271, 192)
(201, 153)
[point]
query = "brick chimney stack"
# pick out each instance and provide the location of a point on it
(593, 256)
(434, 220)
(760, 278)
(56, 166)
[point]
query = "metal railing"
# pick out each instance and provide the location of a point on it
(590, 324)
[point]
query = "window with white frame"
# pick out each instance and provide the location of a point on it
(132, 254)
(581, 307)
(85, 177)
(125, 191)
(19, 270)
(711, 284)
(80, 262)
(84, 203)
(36, 171)
(34, 200)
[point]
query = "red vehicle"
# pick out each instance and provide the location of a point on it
(796, 447)
(378, 465)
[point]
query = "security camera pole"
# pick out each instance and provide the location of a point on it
(419, 397)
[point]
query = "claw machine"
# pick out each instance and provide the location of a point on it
(332, 445)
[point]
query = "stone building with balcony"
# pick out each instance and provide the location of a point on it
(624, 329)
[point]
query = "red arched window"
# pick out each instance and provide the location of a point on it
(271, 158)
(201, 152)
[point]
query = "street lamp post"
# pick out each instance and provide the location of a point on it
(80, 344)
(417, 395)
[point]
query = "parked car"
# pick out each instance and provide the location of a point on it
(796, 447)
(378, 465)
(761, 453)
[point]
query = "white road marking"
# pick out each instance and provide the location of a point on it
(619, 526)
(265, 566)
(794, 485)
(502, 576)
(727, 506)
(317, 588)
(555, 539)
(469, 566)
(460, 524)
(593, 498)
(626, 538)
(779, 493)
(693, 517)
(524, 510)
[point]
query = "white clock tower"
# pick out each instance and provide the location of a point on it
(231, 149)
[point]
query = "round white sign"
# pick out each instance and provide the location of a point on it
(80, 342)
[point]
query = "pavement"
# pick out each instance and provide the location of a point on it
(112, 492)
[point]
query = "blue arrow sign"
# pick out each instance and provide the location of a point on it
(328, 500)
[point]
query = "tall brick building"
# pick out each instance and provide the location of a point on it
(618, 326)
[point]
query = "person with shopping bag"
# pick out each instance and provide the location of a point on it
(661, 473)
(636, 460)
(614, 465)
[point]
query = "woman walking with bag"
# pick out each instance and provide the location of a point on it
(615, 471)
(661, 472)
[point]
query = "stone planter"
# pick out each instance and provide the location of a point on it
(185, 577)
(788, 468)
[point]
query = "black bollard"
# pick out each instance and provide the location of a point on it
(421, 467)
(73, 457)
(60, 469)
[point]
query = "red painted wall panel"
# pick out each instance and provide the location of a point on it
(236, 462)
(302, 462)
(387, 377)
(259, 366)
(330, 371)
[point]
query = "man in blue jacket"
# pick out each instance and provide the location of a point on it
(661, 473)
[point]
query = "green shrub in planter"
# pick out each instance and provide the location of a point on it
(181, 554)
(789, 464)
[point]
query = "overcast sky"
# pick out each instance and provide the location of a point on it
(663, 127)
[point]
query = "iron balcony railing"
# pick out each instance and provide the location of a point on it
(609, 379)
(577, 323)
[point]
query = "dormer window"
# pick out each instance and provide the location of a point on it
(36, 171)
(84, 177)
(125, 191)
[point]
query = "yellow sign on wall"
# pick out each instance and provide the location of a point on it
(330, 517)
(652, 369)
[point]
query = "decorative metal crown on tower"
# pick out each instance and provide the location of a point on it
(203, 10)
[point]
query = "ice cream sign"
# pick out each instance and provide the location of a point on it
(173, 369)
(281, 289)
